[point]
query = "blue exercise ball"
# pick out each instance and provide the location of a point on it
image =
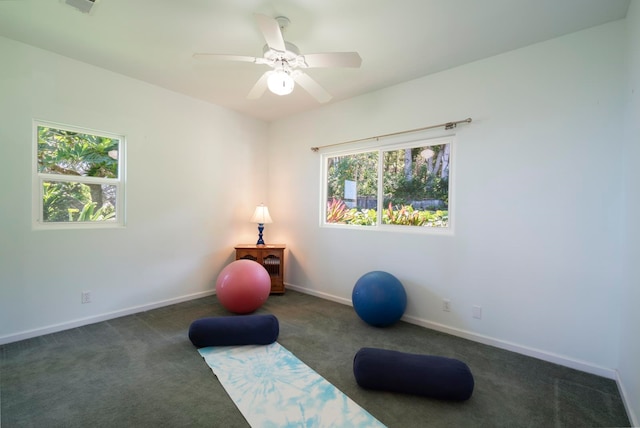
(379, 298)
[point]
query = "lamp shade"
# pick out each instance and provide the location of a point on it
(261, 215)
(280, 82)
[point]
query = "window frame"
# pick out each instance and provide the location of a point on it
(39, 178)
(400, 142)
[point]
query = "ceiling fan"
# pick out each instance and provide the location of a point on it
(286, 62)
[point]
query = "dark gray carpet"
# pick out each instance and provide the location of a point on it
(142, 371)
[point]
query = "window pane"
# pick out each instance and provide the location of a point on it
(416, 186)
(73, 202)
(73, 153)
(352, 183)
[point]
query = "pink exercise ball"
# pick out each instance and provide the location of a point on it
(243, 286)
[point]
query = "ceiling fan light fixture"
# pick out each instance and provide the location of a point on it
(285, 61)
(280, 83)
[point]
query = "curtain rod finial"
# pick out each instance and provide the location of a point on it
(315, 149)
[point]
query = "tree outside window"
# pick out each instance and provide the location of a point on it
(407, 186)
(79, 175)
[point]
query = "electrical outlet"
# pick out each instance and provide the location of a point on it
(85, 297)
(446, 305)
(477, 311)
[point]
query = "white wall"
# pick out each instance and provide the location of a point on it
(191, 174)
(543, 152)
(537, 199)
(629, 374)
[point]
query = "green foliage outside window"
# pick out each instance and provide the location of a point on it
(64, 156)
(339, 213)
(361, 168)
(415, 187)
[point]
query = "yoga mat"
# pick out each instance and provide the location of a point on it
(273, 388)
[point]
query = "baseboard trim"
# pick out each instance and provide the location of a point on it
(79, 322)
(486, 340)
(515, 347)
(633, 418)
(320, 294)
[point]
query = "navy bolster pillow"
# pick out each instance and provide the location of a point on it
(234, 330)
(427, 375)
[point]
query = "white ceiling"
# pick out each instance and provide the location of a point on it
(153, 40)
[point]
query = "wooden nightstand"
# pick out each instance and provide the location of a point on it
(269, 256)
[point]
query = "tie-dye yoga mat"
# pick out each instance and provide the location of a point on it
(272, 388)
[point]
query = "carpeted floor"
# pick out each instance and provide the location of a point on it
(142, 371)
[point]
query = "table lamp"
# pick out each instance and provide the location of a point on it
(261, 216)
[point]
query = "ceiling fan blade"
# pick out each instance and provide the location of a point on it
(259, 88)
(270, 29)
(312, 87)
(335, 59)
(223, 57)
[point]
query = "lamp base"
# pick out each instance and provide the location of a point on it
(260, 229)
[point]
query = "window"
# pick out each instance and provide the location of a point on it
(78, 177)
(401, 185)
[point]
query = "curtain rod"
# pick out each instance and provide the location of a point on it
(448, 125)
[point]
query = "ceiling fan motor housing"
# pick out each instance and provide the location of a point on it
(290, 55)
